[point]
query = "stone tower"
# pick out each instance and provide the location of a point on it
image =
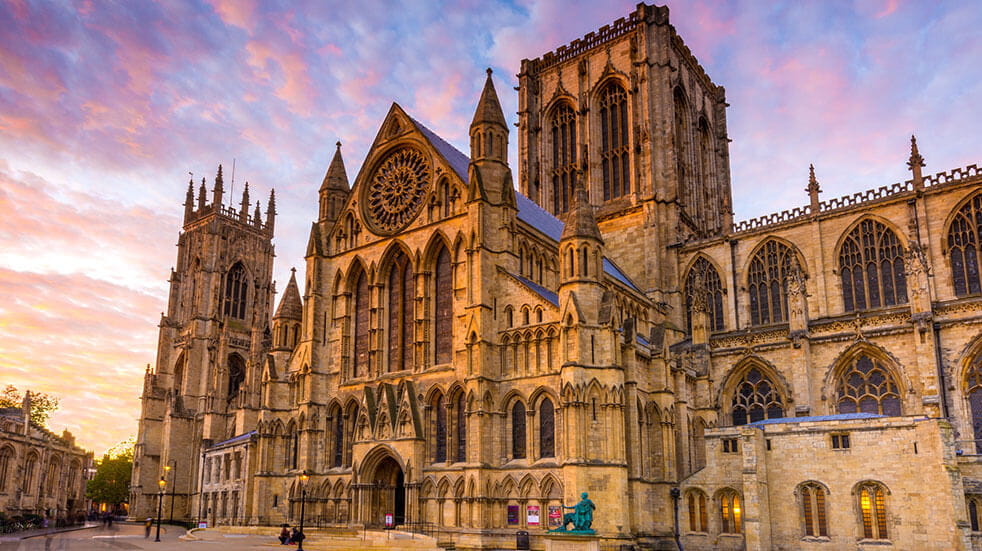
(632, 108)
(205, 387)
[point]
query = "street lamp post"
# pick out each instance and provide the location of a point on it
(303, 498)
(171, 466)
(160, 505)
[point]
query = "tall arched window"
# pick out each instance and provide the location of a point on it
(767, 283)
(871, 265)
(873, 510)
(293, 451)
(439, 429)
(460, 410)
(563, 157)
(974, 510)
(518, 431)
(614, 148)
(30, 468)
(337, 455)
(350, 425)
(696, 503)
(401, 320)
(709, 202)
(963, 246)
(730, 513)
(547, 429)
(703, 278)
(867, 386)
(443, 302)
(755, 399)
(236, 375)
(682, 132)
(361, 306)
(235, 292)
(813, 513)
(973, 389)
(6, 457)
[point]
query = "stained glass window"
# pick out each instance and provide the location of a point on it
(813, 510)
(440, 432)
(443, 299)
(731, 515)
(338, 456)
(697, 511)
(547, 429)
(401, 302)
(767, 283)
(974, 391)
(614, 147)
(872, 506)
(461, 411)
(871, 268)
(518, 431)
(868, 387)
(755, 399)
(563, 157)
(963, 246)
(235, 292)
(361, 325)
(704, 274)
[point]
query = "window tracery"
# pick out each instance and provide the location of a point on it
(973, 390)
(704, 289)
(963, 247)
(873, 513)
(868, 387)
(614, 147)
(767, 283)
(871, 266)
(730, 512)
(813, 512)
(361, 305)
(563, 157)
(235, 292)
(696, 502)
(402, 297)
(394, 196)
(756, 398)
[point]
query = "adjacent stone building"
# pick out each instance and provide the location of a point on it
(464, 354)
(41, 473)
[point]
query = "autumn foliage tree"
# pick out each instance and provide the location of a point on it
(42, 405)
(111, 483)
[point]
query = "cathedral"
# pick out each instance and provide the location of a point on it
(465, 353)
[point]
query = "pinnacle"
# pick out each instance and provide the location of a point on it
(336, 177)
(488, 107)
(580, 221)
(291, 307)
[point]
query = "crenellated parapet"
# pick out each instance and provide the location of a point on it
(195, 212)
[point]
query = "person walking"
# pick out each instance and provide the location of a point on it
(146, 527)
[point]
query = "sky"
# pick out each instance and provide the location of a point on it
(105, 108)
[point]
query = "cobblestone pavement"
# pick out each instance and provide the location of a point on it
(130, 536)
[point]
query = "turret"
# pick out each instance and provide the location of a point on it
(489, 150)
(244, 206)
(334, 189)
(581, 253)
(219, 188)
(271, 211)
(288, 317)
(189, 202)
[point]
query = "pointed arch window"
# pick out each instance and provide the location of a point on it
(767, 283)
(443, 302)
(547, 429)
(682, 132)
(867, 386)
(6, 458)
(974, 511)
(614, 148)
(293, 452)
(337, 455)
(696, 502)
(518, 431)
(709, 203)
(703, 282)
(236, 375)
(973, 390)
(460, 410)
(563, 136)
(730, 513)
(351, 424)
(963, 247)
(871, 267)
(756, 398)
(401, 319)
(30, 467)
(235, 292)
(873, 511)
(361, 306)
(439, 430)
(814, 517)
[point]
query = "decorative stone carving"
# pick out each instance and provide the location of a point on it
(394, 196)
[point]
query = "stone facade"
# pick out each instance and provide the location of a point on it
(461, 354)
(41, 473)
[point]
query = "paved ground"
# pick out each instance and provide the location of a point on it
(130, 536)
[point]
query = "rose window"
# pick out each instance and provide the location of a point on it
(394, 195)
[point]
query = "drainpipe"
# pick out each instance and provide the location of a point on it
(676, 494)
(939, 362)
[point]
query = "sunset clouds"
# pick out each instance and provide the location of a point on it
(106, 107)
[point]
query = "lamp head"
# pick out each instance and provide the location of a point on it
(161, 483)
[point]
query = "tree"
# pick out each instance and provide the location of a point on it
(111, 483)
(42, 405)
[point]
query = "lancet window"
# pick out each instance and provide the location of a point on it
(236, 375)
(460, 411)
(814, 517)
(973, 390)
(702, 284)
(730, 513)
(547, 429)
(871, 266)
(755, 399)
(614, 147)
(337, 451)
(439, 408)
(6, 458)
(867, 386)
(443, 302)
(710, 196)
(873, 511)
(963, 247)
(518, 431)
(236, 285)
(563, 138)
(767, 283)
(401, 319)
(696, 503)
(682, 133)
(361, 306)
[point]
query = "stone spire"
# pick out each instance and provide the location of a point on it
(244, 207)
(813, 190)
(219, 189)
(291, 306)
(336, 177)
(257, 217)
(488, 107)
(915, 163)
(580, 222)
(201, 194)
(271, 210)
(189, 202)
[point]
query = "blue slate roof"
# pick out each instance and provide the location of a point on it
(813, 418)
(538, 289)
(641, 340)
(528, 212)
(234, 439)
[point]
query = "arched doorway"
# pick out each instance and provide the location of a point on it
(388, 493)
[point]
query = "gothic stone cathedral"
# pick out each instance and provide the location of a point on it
(461, 354)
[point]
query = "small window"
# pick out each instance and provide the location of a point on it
(840, 441)
(731, 518)
(973, 513)
(873, 515)
(768, 444)
(730, 445)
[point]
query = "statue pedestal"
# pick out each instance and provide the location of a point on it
(571, 541)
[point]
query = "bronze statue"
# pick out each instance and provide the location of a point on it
(581, 518)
